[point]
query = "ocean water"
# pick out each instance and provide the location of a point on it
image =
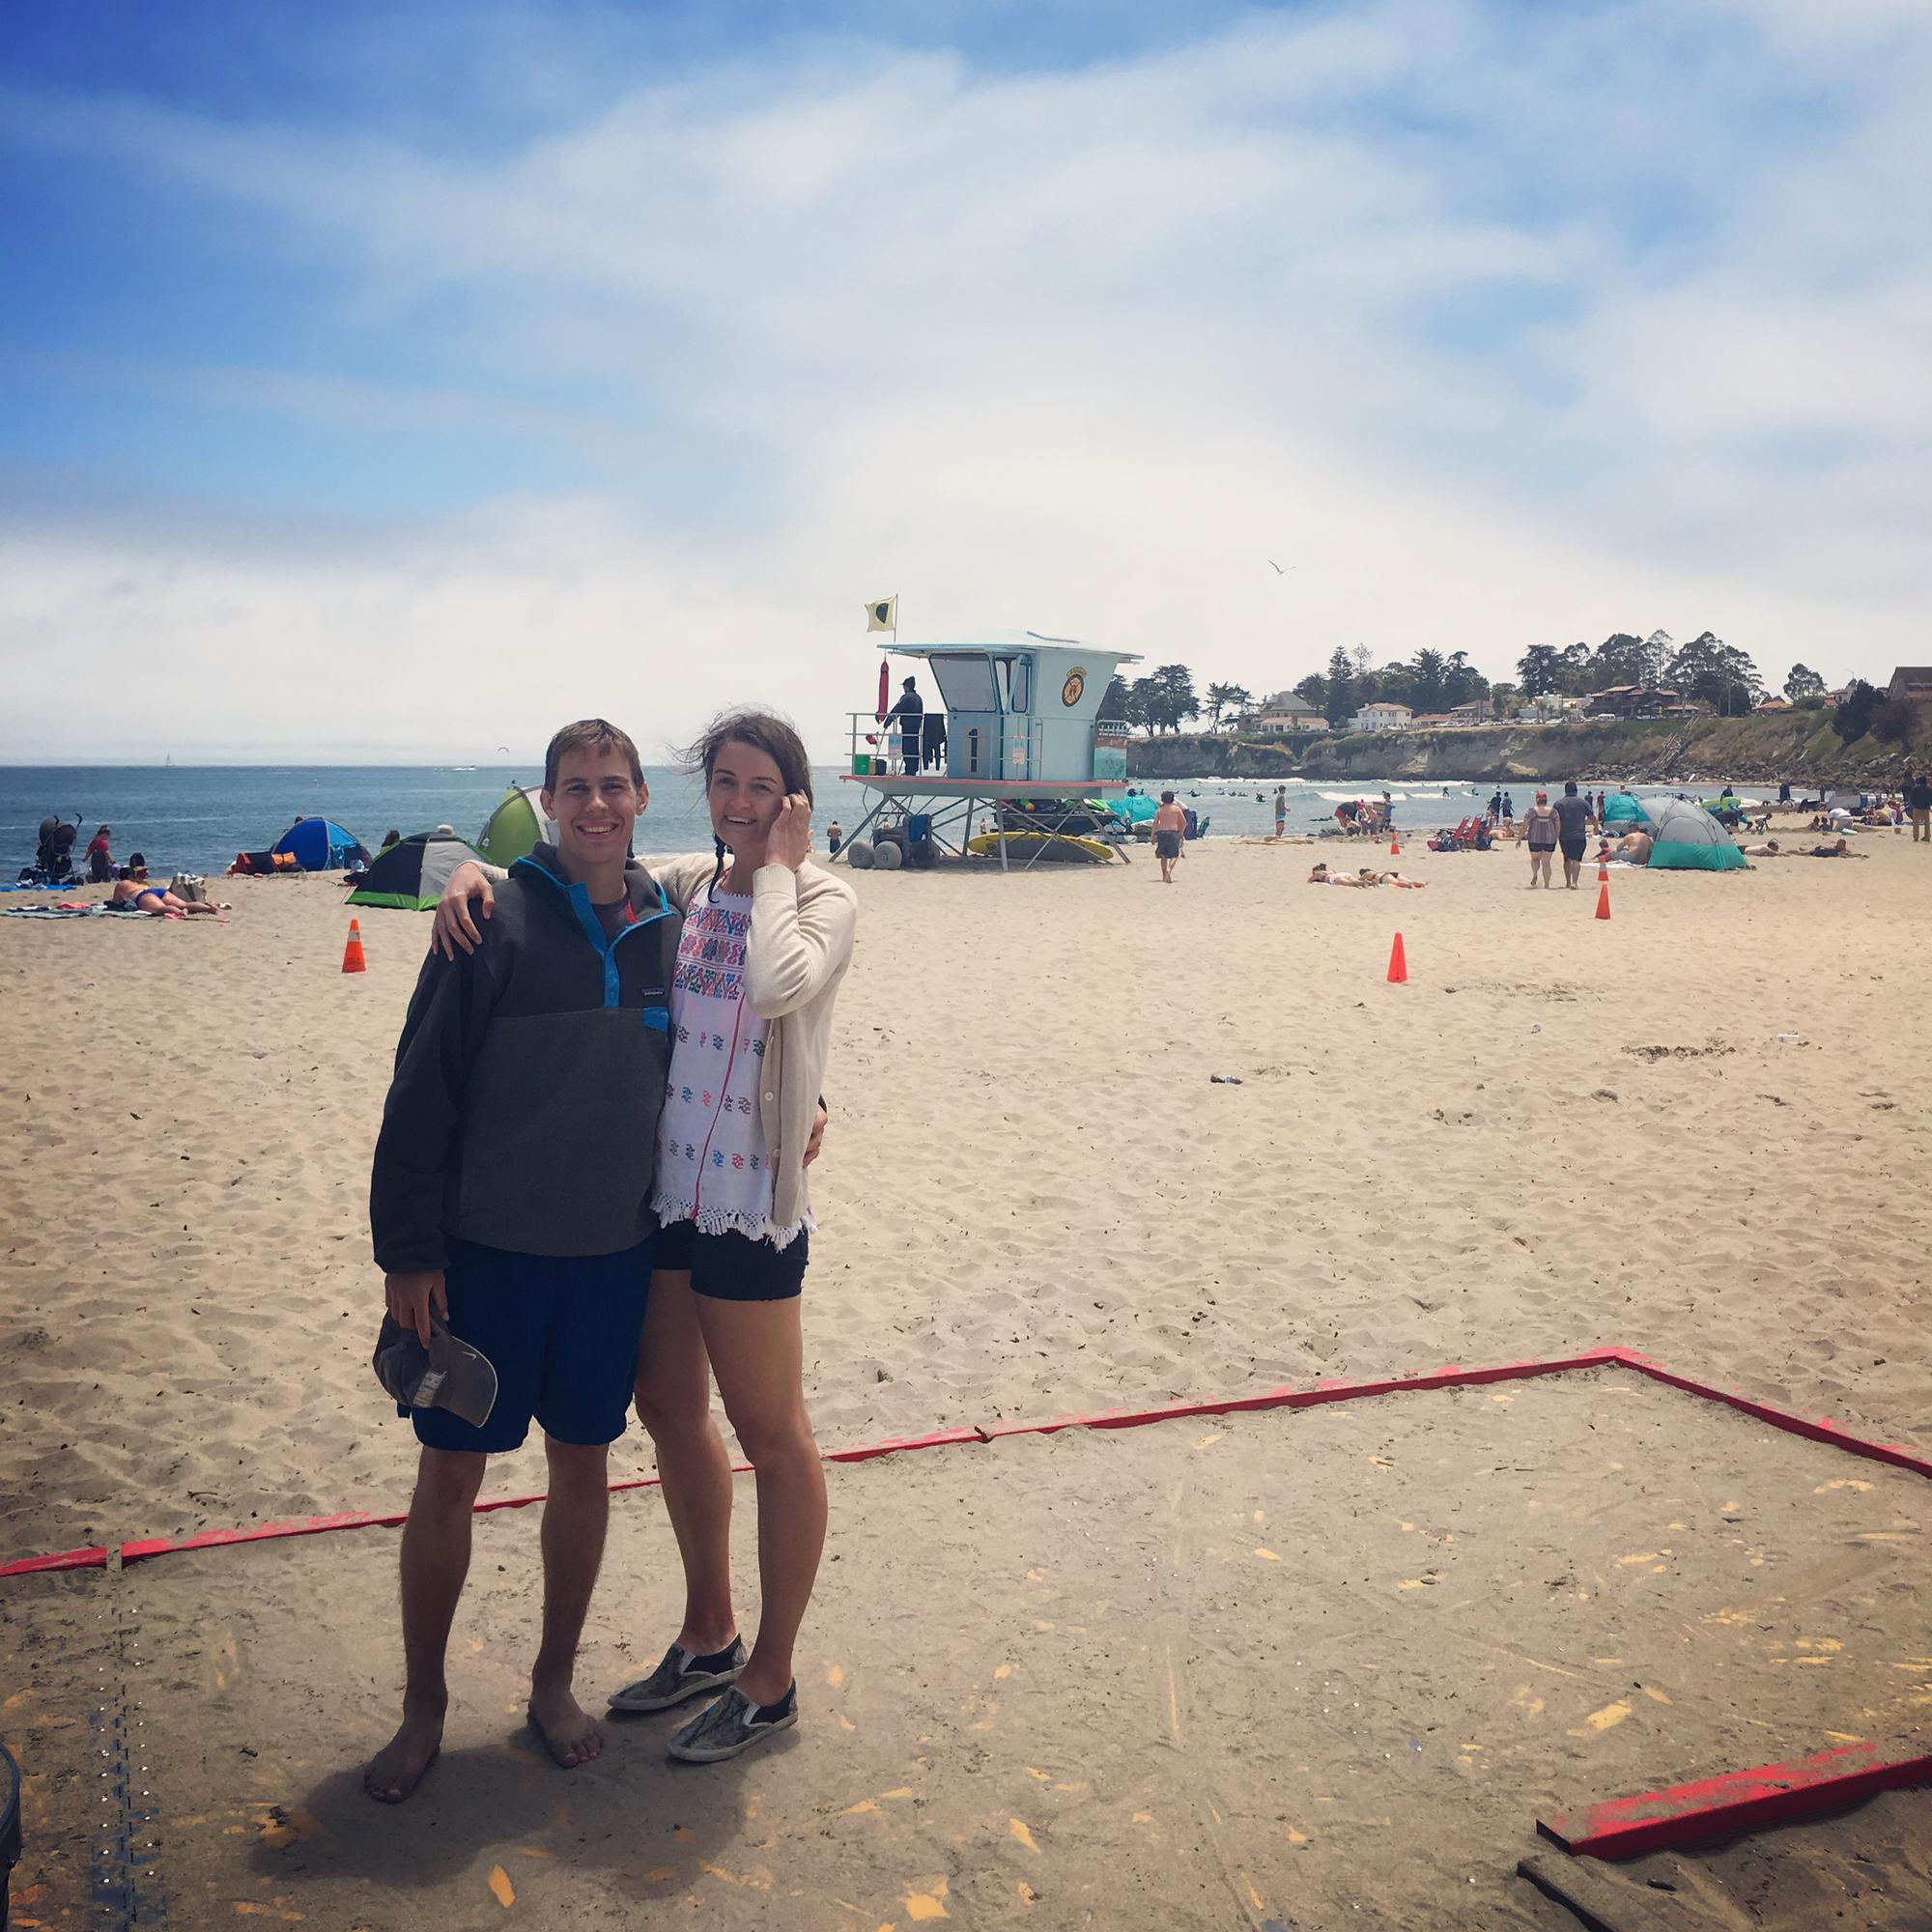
(195, 818)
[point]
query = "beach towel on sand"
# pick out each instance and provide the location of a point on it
(52, 912)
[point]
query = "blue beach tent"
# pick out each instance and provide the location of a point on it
(321, 845)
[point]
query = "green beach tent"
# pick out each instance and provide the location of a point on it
(413, 872)
(515, 826)
(1689, 840)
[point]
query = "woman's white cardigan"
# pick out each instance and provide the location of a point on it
(803, 925)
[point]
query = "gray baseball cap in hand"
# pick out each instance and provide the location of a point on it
(449, 1374)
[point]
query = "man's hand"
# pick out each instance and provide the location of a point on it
(790, 843)
(817, 1139)
(409, 1296)
(454, 924)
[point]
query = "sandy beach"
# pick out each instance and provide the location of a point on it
(1694, 1130)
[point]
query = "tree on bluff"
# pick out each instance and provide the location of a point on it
(1803, 683)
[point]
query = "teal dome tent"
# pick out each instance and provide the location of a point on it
(1689, 840)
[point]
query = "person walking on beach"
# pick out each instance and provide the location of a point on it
(1919, 805)
(765, 947)
(1170, 827)
(1280, 811)
(511, 1198)
(1538, 828)
(1573, 831)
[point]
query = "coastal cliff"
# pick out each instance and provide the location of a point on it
(1760, 750)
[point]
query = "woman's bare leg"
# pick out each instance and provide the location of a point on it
(757, 1353)
(674, 1406)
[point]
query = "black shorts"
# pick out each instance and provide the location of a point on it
(1167, 845)
(1572, 848)
(732, 1266)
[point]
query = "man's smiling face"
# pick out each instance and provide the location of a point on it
(595, 804)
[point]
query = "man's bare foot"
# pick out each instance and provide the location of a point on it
(569, 1731)
(398, 1768)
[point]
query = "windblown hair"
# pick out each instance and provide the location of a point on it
(763, 731)
(590, 734)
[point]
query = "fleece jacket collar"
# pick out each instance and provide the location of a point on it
(544, 870)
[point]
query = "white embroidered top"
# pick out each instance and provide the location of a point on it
(713, 1166)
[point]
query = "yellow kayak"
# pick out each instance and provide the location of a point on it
(1048, 846)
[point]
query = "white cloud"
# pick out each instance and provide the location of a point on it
(1512, 324)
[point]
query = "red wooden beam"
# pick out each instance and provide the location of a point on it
(1453, 1376)
(1738, 1800)
(893, 1445)
(94, 1558)
(1824, 1429)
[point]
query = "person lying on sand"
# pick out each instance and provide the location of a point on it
(1773, 850)
(138, 891)
(1363, 877)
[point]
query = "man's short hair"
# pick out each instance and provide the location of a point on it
(1167, 797)
(590, 734)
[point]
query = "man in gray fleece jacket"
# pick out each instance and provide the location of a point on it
(511, 1195)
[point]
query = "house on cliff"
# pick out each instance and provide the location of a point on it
(1910, 681)
(1278, 720)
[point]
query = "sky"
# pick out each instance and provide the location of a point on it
(394, 383)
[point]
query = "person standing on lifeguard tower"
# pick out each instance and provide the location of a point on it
(910, 712)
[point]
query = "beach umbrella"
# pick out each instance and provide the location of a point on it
(885, 690)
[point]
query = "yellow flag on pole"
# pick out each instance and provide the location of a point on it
(884, 615)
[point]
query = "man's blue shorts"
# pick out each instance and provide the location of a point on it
(561, 1332)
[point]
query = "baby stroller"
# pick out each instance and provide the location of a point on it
(53, 855)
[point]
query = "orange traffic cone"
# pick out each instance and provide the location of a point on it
(1604, 871)
(1394, 850)
(1398, 963)
(353, 960)
(1604, 901)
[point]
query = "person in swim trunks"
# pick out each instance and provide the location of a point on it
(511, 1193)
(1170, 827)
(1573, 831)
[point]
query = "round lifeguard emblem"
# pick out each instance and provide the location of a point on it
(1071, 690)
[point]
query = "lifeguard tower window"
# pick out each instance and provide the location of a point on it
(966, 683)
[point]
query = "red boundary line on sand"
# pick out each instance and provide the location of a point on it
(1453, 1376)
(1737, 1802)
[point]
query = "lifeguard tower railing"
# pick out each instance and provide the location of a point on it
(1012, 749)
(1010, 752)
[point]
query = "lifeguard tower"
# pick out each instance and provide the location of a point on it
(1023, 743)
